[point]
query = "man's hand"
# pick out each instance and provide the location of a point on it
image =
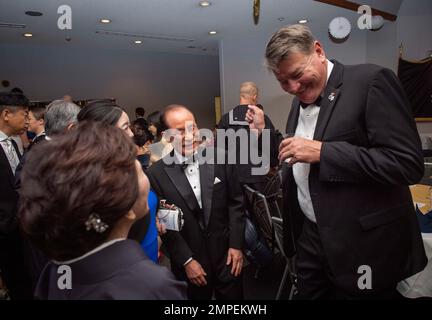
(160, 227)
(196, 273)
(236, 257)
(255, 117)
(298, 149)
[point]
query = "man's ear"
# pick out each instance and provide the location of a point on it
(5, 113)
(319, 51)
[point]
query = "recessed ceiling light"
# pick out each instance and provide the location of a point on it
(205, 4)
(281, 19)
(302, 21)
(212, 32)
(28, 35)
(33, 13)
(137, 41)
(105, 20)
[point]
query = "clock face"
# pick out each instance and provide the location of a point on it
(340, 28)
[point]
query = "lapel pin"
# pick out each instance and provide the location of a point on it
(331, 96)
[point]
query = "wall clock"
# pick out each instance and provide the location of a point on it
(339, 29)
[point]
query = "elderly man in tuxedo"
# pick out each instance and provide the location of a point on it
(207, 251)
(352, 152)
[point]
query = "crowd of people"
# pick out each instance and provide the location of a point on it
(82, 195)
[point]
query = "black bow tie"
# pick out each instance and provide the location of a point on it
(188, 161)
(184, 165)
(317, 102)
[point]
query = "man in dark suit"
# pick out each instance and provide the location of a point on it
(207, 252)
(58, 117)
(37, 125)
(13, 121)
(348, 210)
(235, 120)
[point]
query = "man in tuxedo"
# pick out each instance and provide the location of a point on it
(348, 211)
(235, 120)
(37, 124)
(207, 252)
(13, 121)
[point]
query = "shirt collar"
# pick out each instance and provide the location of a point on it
(329, 69)
(98, 248)
(181, 159)
(3, 136)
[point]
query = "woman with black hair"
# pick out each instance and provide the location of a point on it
(79, 215)
(160, 147)
(106, 111)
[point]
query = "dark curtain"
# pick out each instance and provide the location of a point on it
(416, 78)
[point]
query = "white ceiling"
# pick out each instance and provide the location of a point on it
(178, 18)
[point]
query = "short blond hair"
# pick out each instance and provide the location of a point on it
(248, 89)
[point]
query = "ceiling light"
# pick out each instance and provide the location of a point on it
(28, 35)
(302, 21)
(204, 4)
(212, 32)
(105, 20)
(137, 41)
(33, 13)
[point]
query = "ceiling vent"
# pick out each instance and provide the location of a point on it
(12, 25)
(145, 36)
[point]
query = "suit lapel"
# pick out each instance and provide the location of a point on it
(16, 149)
(207, 183)
(181, 183)
(5, 162)
(330, 97)
(293, 117)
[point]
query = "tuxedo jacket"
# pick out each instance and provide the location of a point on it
(235, 119)
(120, 271)
(8, 195)
(209, 232)
(370, 154)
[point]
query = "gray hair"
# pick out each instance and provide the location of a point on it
(59, 115)
(287, 40)
(248, 89)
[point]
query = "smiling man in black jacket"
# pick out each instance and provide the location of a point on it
(207, 252)
(348, 212)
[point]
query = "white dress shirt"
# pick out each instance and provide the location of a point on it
(193, 175)
(306, 128)
(9, 150)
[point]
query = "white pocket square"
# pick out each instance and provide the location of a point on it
(216, 180)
